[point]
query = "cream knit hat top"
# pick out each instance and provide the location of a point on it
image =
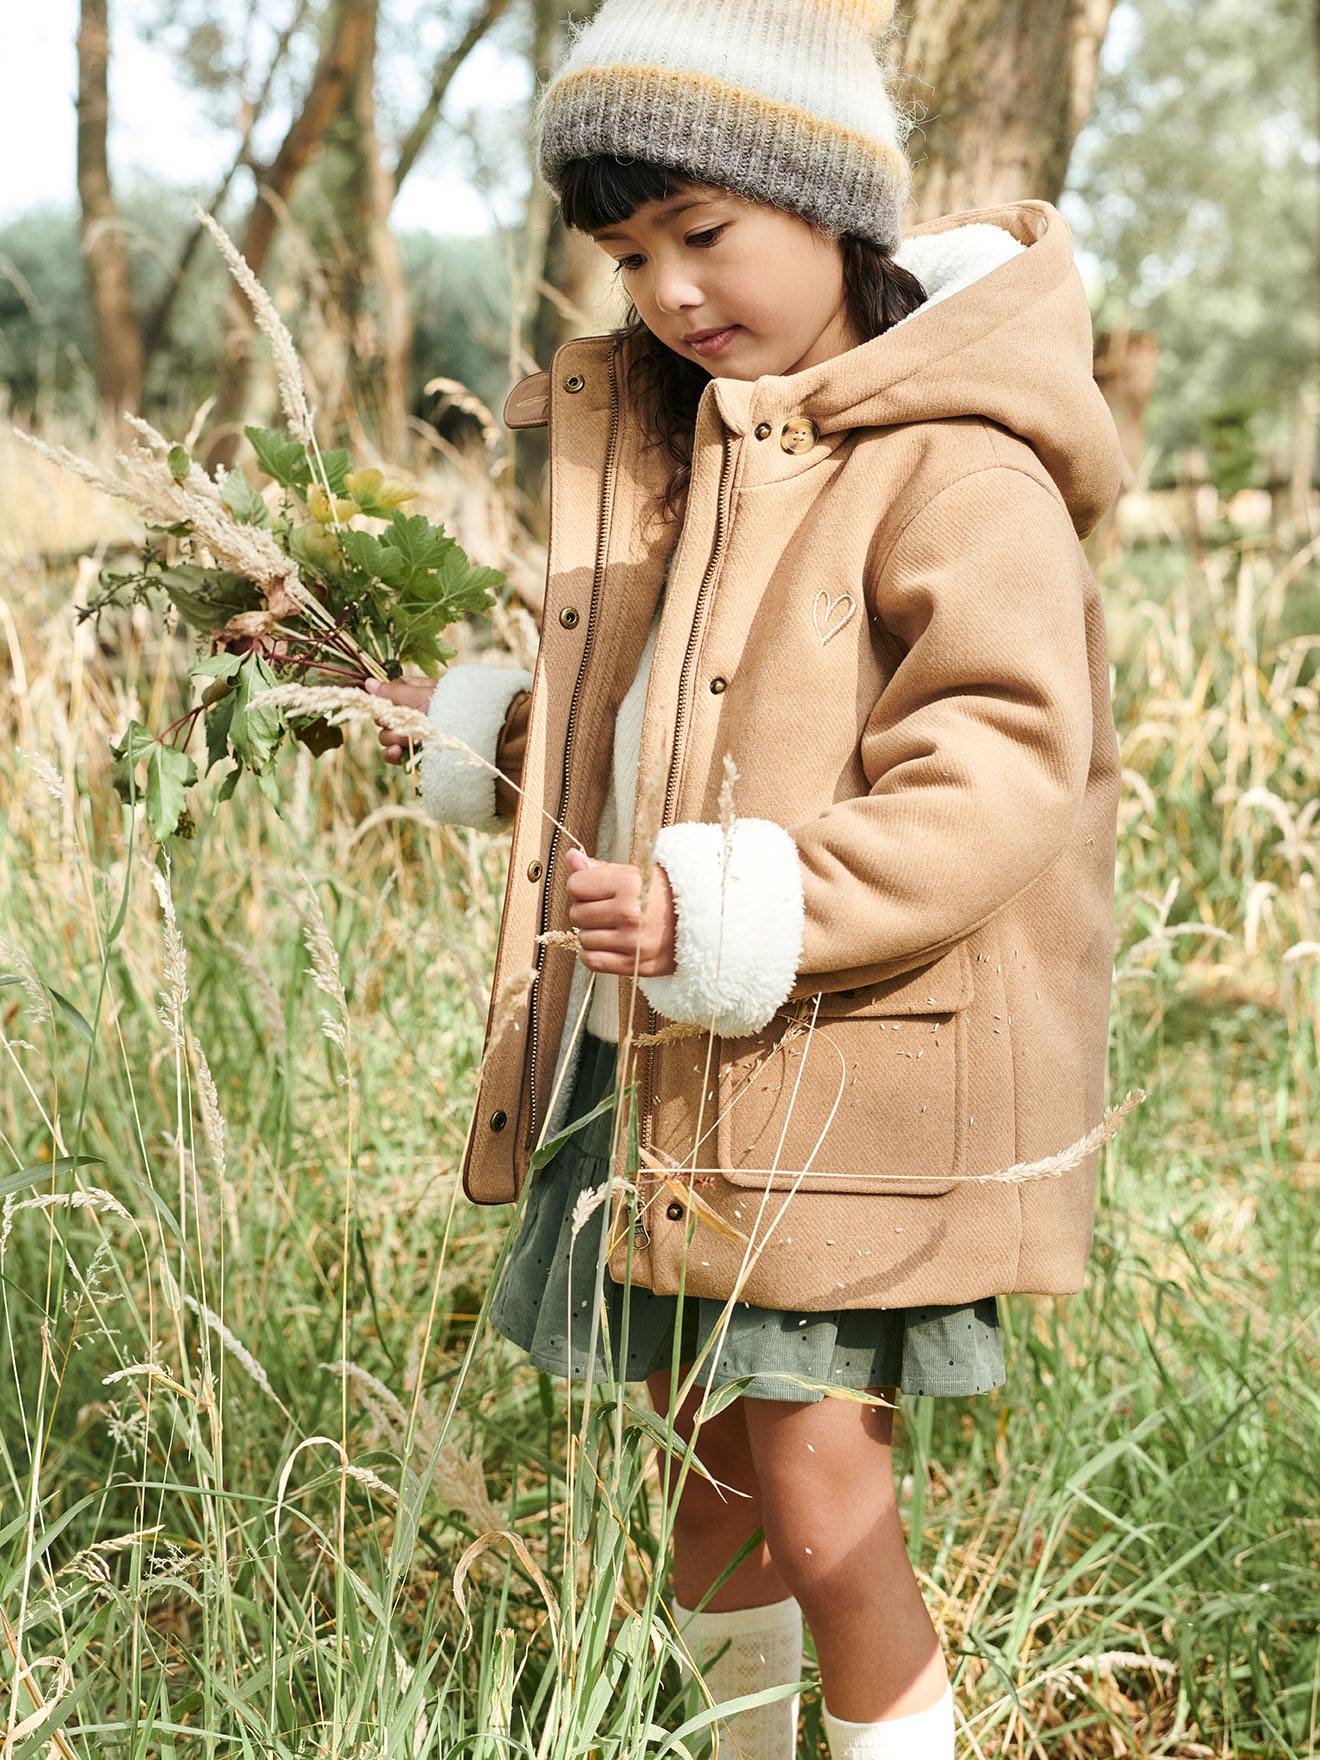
(783, 101)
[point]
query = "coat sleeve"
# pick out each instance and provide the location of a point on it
(976, 752)
(485, 707)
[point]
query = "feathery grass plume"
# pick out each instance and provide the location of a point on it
(561, 938)
(340, 703)
(454, 391)
(47, 772)
(148, 486)
(675, 1030)
(288, 373)
(90, 1561)
(272, 1009)
(1051, 1166)
(16, 1731)
(325, 973)
(511, 994)
(236, 1348)
(213, 1122)
(459, 1477)
(387, 1410)
(15, 957)
(586, 1205)
(175, 971)
(91, 1199)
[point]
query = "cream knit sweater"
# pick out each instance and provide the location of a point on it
(616, 819)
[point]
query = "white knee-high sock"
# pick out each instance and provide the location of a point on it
(922, 1735)
(764, 1650)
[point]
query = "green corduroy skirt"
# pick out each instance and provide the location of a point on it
(543, 1302)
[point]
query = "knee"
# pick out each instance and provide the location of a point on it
(706, 1512)
(827, 1551)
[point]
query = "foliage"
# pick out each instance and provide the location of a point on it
(1196, 175)
(322, 596)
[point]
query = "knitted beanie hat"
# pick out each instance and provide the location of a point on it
(782, 101)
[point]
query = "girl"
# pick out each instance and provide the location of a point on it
(815, 508)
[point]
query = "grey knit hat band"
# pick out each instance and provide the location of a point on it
(781, 101)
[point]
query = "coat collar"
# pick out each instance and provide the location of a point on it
(1004, 334)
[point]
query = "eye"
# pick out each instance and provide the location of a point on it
(704, 240)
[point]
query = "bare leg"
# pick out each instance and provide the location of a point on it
(825, 1475)
(709, 1527)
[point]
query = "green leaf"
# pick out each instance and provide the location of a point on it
(318, 736)
(365, 552)
(335, 464)
(208, 597)
(216, 666)
(243, 501)
(551, 1148)
(168, 775)
(179, 462)
(76, 1019)
(135, 744)
(42, 1170)
(219, 719)
(270, 788)
(281, 458)
(255, 732)
(229, 784)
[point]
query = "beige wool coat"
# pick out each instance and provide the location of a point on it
(898, 958)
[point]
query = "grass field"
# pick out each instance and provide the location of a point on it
(253, 1424)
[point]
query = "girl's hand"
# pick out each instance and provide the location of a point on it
(413, 693)
(607, 915)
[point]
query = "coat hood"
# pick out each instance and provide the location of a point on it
(1005, 333)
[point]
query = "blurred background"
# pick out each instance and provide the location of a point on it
(371, 158)
(270, 1486)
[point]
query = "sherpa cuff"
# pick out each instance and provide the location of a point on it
(738, 933)
(470, 701)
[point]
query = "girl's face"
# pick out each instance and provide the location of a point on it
(705, 260)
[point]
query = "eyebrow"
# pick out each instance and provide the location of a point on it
(665, 213)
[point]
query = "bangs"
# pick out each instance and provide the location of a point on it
(605, 190)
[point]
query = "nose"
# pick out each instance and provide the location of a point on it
(673, 289)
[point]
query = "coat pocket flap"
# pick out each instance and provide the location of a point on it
(943, 986)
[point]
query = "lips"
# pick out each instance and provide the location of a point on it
(708, 342)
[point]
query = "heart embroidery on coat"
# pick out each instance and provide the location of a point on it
(824, 614)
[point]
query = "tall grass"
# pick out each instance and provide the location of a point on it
(272, 1487)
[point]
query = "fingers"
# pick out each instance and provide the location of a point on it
(605, 913)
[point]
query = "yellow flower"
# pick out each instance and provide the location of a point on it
(393, 493)
(319, 507)
(367, 482)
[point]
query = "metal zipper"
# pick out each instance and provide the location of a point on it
(721, 532)
(602, 544)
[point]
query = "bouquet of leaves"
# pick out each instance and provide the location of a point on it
(322, 577)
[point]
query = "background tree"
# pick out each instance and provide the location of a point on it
(118, 352)
(1012, 86)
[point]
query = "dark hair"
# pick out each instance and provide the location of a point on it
(603, 190)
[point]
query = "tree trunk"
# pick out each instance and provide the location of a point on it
(1126, 362)
(343, 43)
(370, 320)
(565, 290)
(1007, 86)
(118, 344)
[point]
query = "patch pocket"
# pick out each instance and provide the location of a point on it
(871, 1099)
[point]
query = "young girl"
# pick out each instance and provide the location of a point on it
(814, 508)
